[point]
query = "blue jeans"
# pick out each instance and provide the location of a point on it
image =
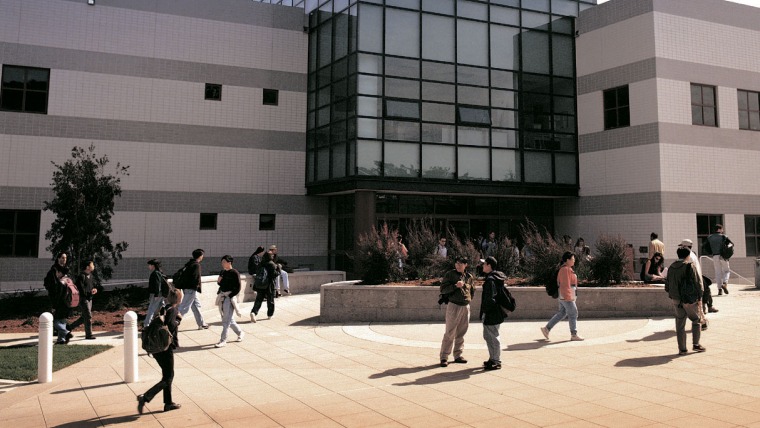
(60, 325)
(491, 335)
(566, 309)
(154, 304)
(228, 319)
(190, 300)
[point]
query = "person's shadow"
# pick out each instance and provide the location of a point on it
(655, 360)
(99, 422)
(402, 371)
(528, 346)
(443, 376)
(659, 335)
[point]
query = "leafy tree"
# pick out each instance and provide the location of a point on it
(83, 203)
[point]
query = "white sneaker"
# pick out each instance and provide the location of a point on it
(221, 344)
(253, 317)
(241, 336)
(576, 338)
(545, 331)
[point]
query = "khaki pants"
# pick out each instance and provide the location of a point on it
(457, 323)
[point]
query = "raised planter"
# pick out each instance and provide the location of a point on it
(348, 302)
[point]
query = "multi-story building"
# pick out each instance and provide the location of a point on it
(668, 124)
(305, 123)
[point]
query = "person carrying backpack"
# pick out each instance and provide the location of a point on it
(61, 308)
(165, 359)
(568, 284)
(721, 249)
(685, 290)
(190, 284)
(265, 290)
(156, 286)
(490, 312)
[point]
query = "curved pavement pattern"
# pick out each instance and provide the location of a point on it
(292, 371)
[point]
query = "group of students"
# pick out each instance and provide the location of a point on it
(182, 296)
(57, 283)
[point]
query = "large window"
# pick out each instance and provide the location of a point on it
(705, 227)
(703, 106)
(19, 233)
(24, 89)
(749, 110)
(752, 234)
(617, 112)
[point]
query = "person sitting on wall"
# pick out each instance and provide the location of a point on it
(653, 269)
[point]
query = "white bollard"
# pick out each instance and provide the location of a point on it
(130, 347)
(45, 349)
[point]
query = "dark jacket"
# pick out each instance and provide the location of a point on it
(50, 279)
(230, 282)
(283, 265)
(85, 283)
(268, 264)
(154, 282)
(676, 273)
(57, 292)
(458, 296)
(490, 312)
(192, 276)
(172, 320)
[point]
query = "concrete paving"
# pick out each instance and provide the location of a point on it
(292, 371)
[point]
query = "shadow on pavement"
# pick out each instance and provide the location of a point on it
(402, 371)
(656, 360)
(311, 321)
(659, 335)
(82, 388)
(527, 346)
(99, 422)
(443, 376)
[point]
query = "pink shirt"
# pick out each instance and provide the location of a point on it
(567, 280)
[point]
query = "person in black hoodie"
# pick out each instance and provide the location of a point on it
(491, 314)
(190, 285)
(87, 287)
(267, 290)
(165, 359)
(229, 287)
(155, 299)
(61, 310)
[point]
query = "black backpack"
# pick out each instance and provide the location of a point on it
(165, 286)
(552, 287)
(253, 264)
(504, 299)
(688, 290)
(177, 279)
(156, 337)
(727, 248)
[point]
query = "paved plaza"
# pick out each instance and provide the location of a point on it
(292, 371)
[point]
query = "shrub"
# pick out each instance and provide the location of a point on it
(509, 260)
(422, 240)
(609, 262)
(462, 248)
(377, 256)
(542, 254)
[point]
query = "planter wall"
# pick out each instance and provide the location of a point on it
(348, 302)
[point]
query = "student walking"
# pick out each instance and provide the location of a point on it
(680, 274)
(491, 313)
(265, 289)
(155, 297)
(229, 287)
(165, 359)
(568, 283)
(191, 285)
(85, 283)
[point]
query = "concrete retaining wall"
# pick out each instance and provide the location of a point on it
(348, 302)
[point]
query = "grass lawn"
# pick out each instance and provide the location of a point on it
(20, 362)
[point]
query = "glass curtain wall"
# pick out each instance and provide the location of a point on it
(443, 90)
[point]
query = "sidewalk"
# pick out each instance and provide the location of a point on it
(292, 371)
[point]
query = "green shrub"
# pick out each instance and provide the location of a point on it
(377, 257)
(542, 254)
(610, 259)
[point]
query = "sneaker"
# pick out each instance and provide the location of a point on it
(253, 317)
(90, 337)
(68, 337)
(699, 348)
(724, 287)
(60, 342)
(576, 338)
(460, 360)
(140, 404)
(221, 344)
(684, 352)
(241, 336)
(444, 363)
(720, 291)
(171, 406)
(203, 327)
(545, 332)
(286, 291)
(712, 310)
(491, 365)
(277, 294)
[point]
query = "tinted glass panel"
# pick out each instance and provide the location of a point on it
(371, 28)
(564, 168)
(535, 52)
(369, 155)
(438, 38)
(472, 43)
(474, 116)
(438, 92)
(402, 67)
(439, 6)
(438, 161)
(402, 88)
(436, 133)
(401, 160)
(506, 165)
(473, 163)
(402, 109)
(438, 71)
(538, 167)
(402, 33)
(504, 47)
